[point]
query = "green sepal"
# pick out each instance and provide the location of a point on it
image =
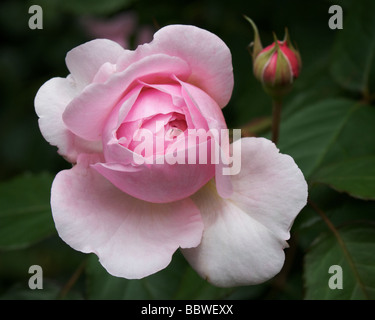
(255, 47)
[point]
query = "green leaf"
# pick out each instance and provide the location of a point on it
(340, 208)
(353, 60)
(355, 176)
(177, 281)
(315, 84)
(308, 135)
(352, 250)
(25, 214)
(327, 132)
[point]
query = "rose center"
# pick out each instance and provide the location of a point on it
(153, 135)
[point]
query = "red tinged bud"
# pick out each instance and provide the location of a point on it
(277, 65)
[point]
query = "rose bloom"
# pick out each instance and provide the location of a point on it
(232, 228)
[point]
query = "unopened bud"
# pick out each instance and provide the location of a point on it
(276, 66)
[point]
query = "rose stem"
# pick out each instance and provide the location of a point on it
(276, 116)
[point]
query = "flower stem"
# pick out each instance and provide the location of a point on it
(276, 116)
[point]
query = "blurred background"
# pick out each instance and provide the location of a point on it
(28, 58)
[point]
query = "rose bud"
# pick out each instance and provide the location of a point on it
(277, 65)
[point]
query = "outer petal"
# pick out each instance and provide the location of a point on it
(206, 54)
(85, 60)
(271, 184)
(132, 238)
(50, 103)
(244, 236)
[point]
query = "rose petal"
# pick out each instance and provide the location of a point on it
(104, 73)
(86, 114)
(204, 104)
(206, 108)
(235, 249)
(277, 189)
(132, 238)
(85, 60)
(149, 103)
(157, 183)
(244, 236)
(211, 64)
(174, 90)
(50, 103)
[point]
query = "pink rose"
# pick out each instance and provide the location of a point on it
(132, 206)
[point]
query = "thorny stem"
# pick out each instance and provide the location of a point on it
(276, 116)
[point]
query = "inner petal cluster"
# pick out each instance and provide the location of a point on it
(147, 140)
(154, 123)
